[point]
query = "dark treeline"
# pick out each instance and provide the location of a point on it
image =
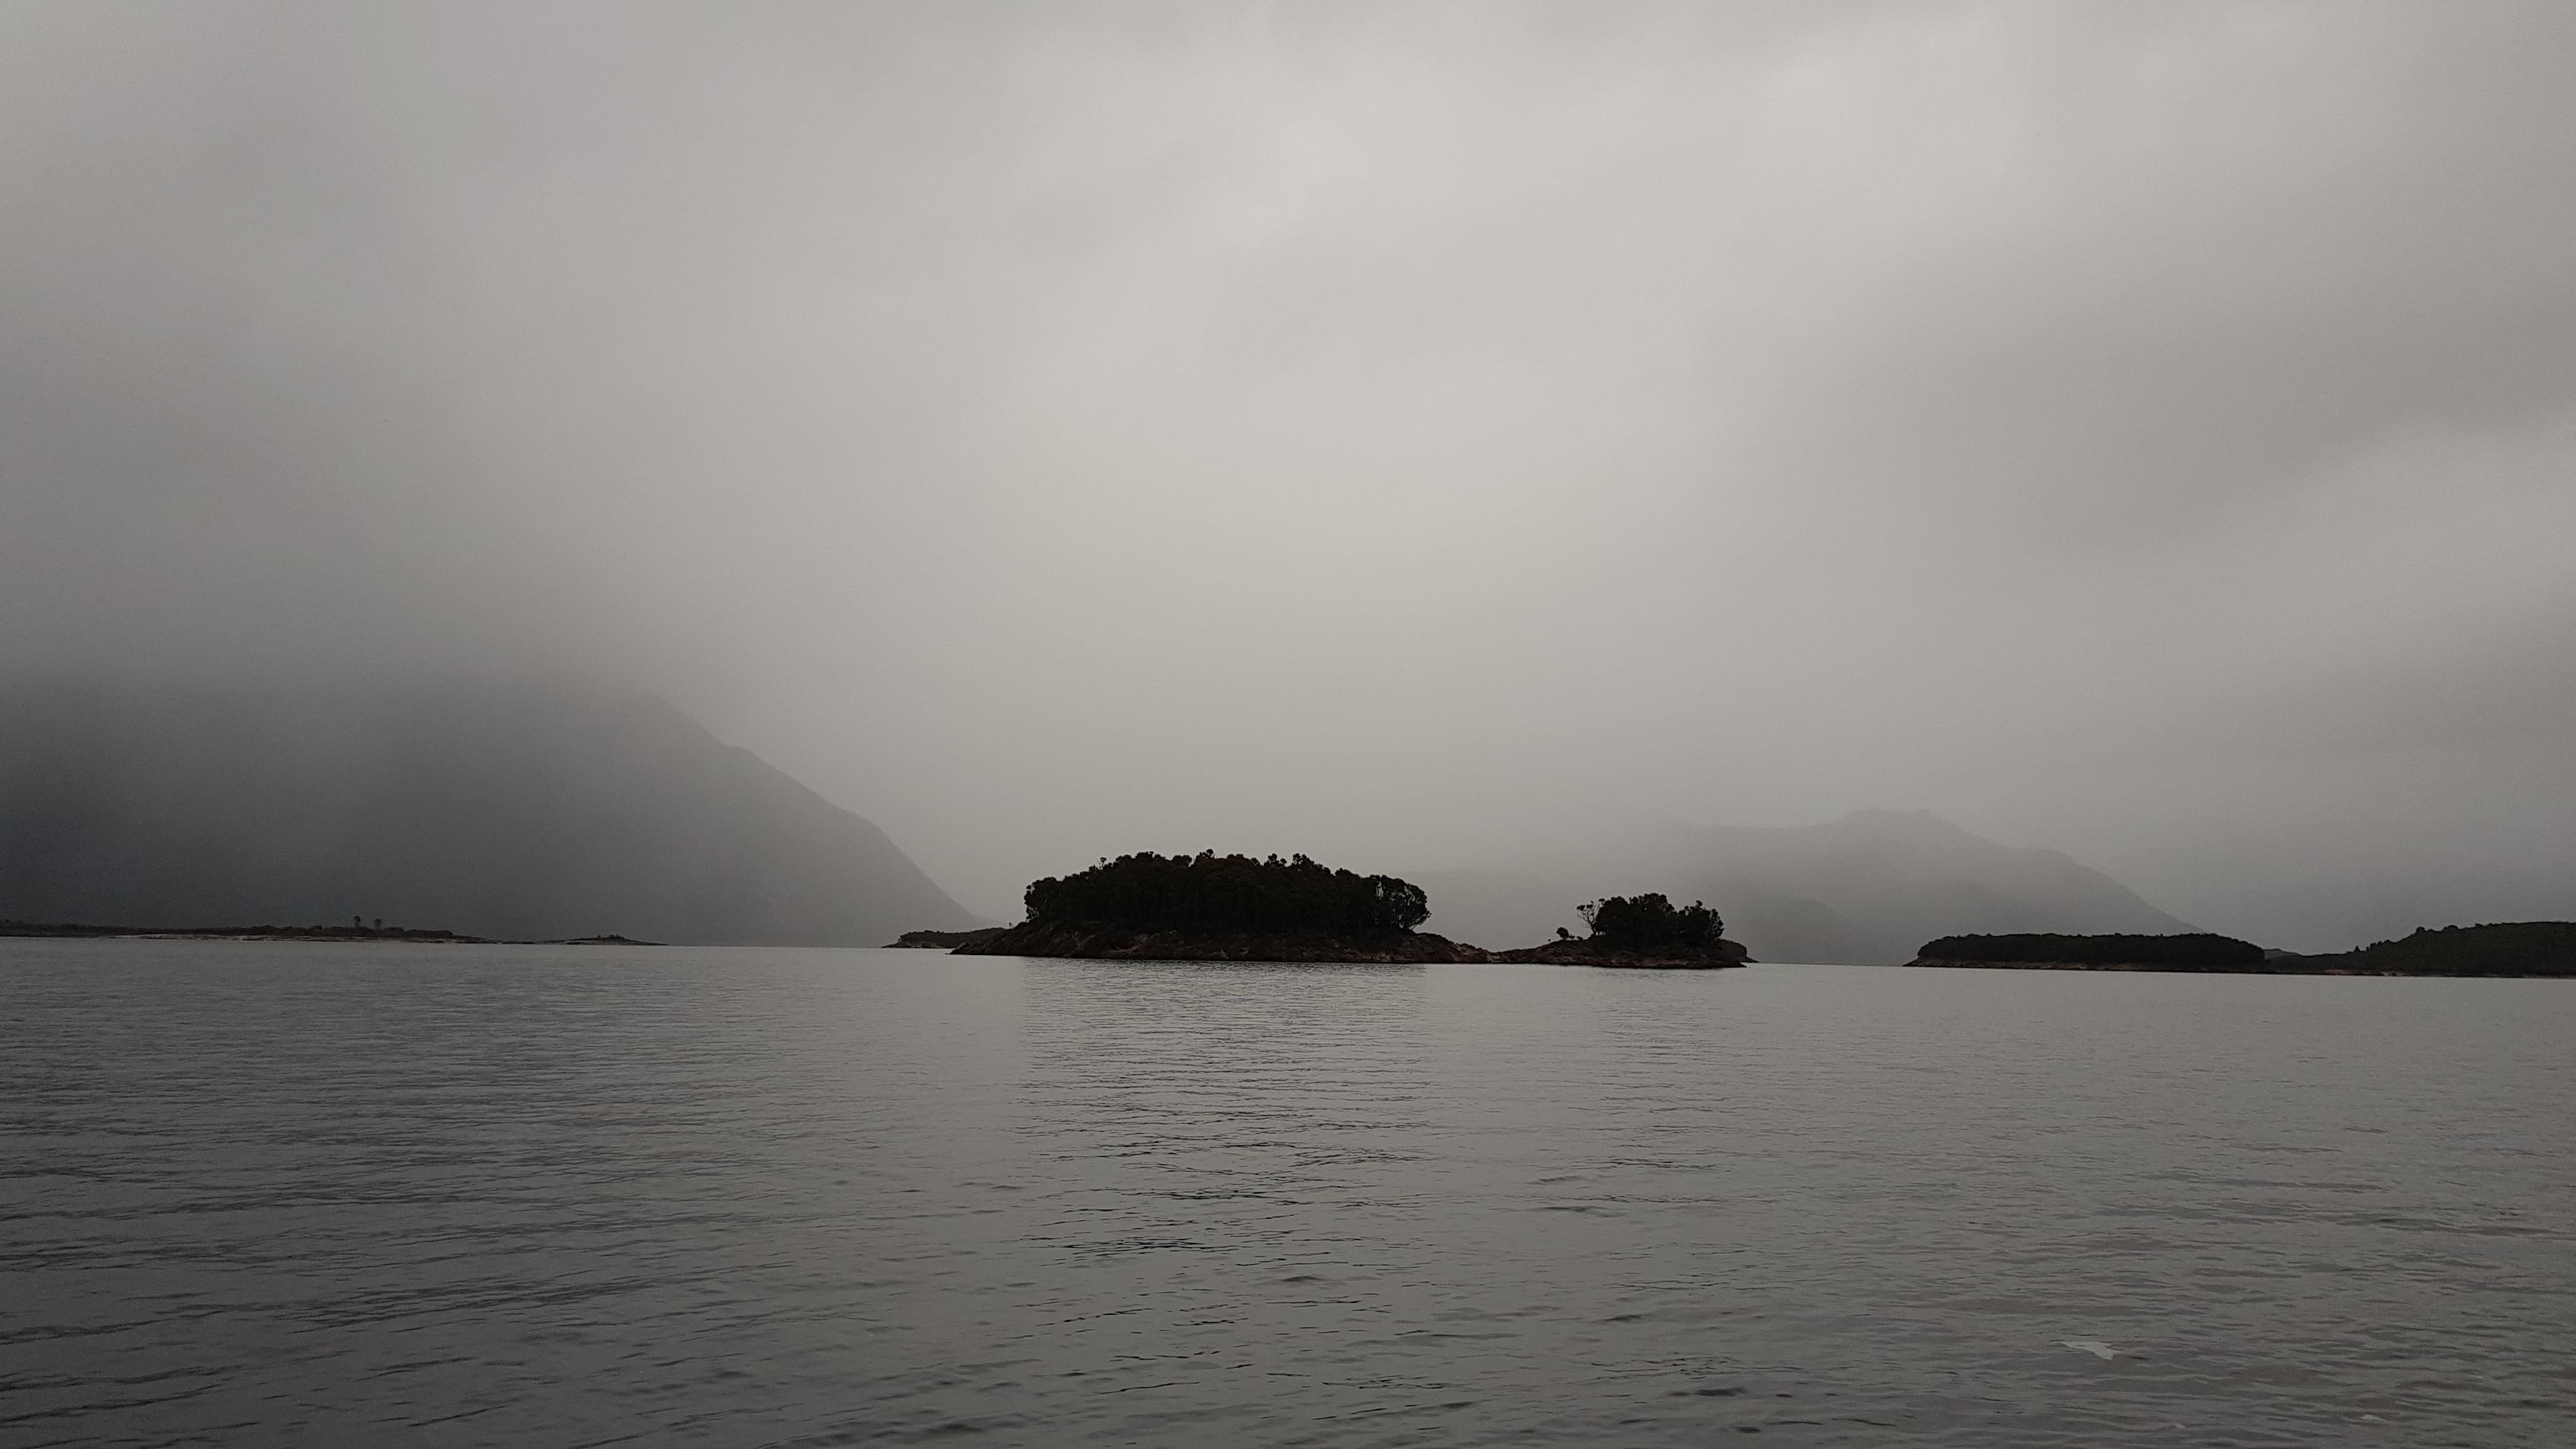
(2202, 949)
(1650, 923)
(1211, 892)
(2518, 948)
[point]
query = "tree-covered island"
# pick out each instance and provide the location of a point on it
(1210, 907)
(1643, 930)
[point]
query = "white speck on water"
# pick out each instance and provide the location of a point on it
(2093, 1346)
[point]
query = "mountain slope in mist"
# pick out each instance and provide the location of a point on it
(1866, 889)
(520, 811)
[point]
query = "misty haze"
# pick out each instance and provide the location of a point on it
(1287, 723)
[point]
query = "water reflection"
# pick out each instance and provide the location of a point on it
(828, 1197)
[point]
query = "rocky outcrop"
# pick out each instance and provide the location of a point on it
(941, 940)
(1581, 952)
(1096, 942)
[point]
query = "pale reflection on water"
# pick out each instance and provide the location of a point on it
(524, 1196)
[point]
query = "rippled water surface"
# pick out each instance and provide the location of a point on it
(448, 1195)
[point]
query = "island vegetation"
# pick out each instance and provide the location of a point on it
(1214, 892)
(1224, 908)
(1641, 930)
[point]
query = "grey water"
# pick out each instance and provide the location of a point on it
(449, 1195)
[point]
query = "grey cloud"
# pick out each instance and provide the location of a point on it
(1376, 430)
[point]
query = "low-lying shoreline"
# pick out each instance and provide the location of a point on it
(1580, 952)
(2525, 950)
(2284, 965)
(1088, 942)
(74, 931)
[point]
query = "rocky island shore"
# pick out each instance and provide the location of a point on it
(1583, 951)
(942, 940)
(1096, 941)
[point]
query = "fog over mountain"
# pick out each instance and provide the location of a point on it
(1428, 437)
(527, 810)
(1867, 889)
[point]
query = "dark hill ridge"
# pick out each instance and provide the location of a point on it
(2191, 951)
(2519, 948)
(521, 811)
(2511, 948)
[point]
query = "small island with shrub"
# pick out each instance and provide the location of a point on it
(1640, 931)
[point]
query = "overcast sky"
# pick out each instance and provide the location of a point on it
(1398, 432)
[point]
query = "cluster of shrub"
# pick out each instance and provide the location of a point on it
(2201, 949)
(1651, 923)
(1211, 892)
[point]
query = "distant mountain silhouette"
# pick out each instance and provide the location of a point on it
(1866, 889)
(505, 811)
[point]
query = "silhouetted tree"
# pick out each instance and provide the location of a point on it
(1650, 922)
(1214, 892)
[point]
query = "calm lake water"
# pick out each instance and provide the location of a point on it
(528, 1196)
